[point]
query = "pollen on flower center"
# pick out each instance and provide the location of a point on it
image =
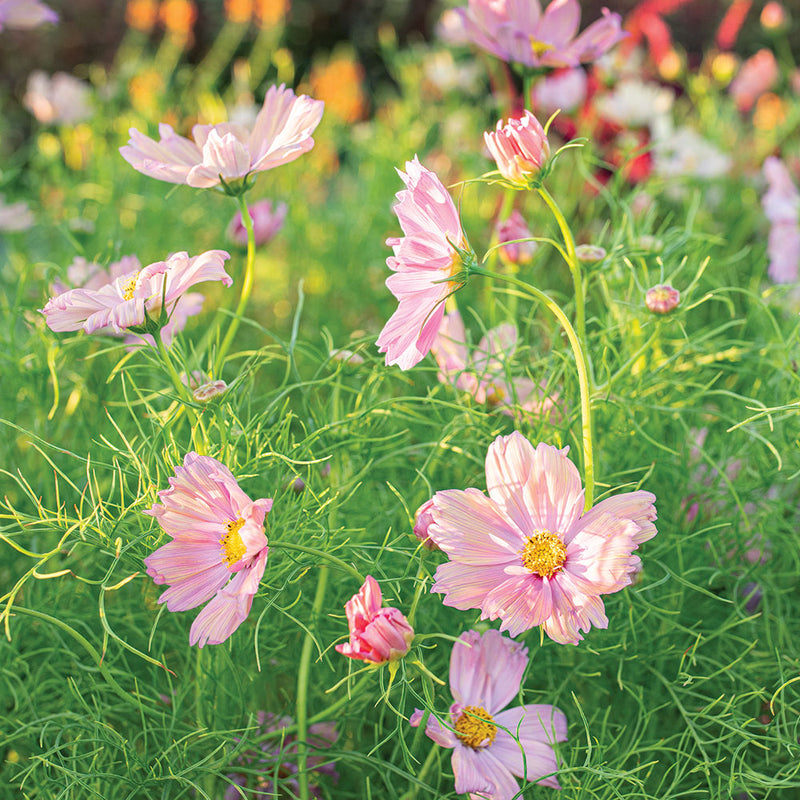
(539, 48)
(544, 554)
(475, 727)
(495, 395)
(232, 542)
(129, 287)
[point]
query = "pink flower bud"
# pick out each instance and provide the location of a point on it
(377, 635)
(422, 520)
(590, 253)
(520, 149)
(266, 223)
(662, 299)
(209, 390)
(510, 230)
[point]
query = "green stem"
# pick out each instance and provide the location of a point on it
(302, 688)
(432, 756)
(247, 286)
(343, 565)
(572, 263)
(581, 365)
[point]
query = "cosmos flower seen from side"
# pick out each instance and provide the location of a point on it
(528, 554)
(218, 550)
(491, 747)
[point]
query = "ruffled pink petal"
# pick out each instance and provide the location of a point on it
(194, 590)
(569, 617)
(596, 40)
(560, 22)
(509, 463)
(636, 506)
(554, 492)
(434, 729)
(169, 159)
(522, 601)
(465, 586)
(539, 758)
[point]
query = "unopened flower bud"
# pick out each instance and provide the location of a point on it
(590, 253)
(422, 521)
(520, 149)
(347, 357)
(662, 299)
(209, 390)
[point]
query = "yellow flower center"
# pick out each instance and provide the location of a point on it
(474, 726)
(544, 554)
(232, 542)
(129, 287)
(539, 48)
(494, 396)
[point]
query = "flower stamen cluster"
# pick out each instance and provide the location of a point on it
(544, 554)
(475, 727)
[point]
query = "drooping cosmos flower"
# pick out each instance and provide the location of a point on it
(528, 554)
(428, 265)
(128, 300)
(518, 31)
(377, 635)
(520, 149)
(218, 550)
(491, 746)
(271, 770)
(24, 14)
(15, 216)
(483, 373)
(61, 99)
(229, 151)
(266, 223)
(781, 204)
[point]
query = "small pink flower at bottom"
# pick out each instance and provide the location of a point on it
(662, 299)
(491, 746)
(528, 554)
(218, 550)
(377, 635)
(266, 223)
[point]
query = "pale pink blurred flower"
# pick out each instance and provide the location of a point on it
(520, 149)
(508, 232)
(590, 253)
(266, 223)
(528, 554)
(229, 151)
(781, 204)
(483, 374)
(62, 99)
(756, 75)
(218, 550)
(662, 299)
(422, 520)
(134, 298)
(564, 90)
(377, 635)
(428, 264)
(15, 217)
(636, 103)
(25, 14)
(491, 746)
(347, 357)
(518, 31)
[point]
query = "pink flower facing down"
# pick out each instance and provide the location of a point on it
(229, 151)
(491, 746)
(518, 31)
(377, 635)
(218, 550)
(422, 520)
(483, 374)
(428, 262)
(266, 223)
(25, 14)
(519, 148)
(781, 204)
(134, 298)
(528, 554)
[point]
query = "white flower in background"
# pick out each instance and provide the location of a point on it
(15, 216)
(685, 153)
(634, 103)
(60, 99)
(563, 89)
(443, 72)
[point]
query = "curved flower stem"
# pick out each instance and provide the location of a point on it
(198, 434)
(301, 706)
(581, 365)
(247, 286)
(572, 263)
(343, 565)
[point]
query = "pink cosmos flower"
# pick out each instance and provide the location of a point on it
(266, 223)
(377, 635)
(528, 554)
(133, 297)
(428, 263)
(508, 232)
(518, 31)
(218, 550)
(229, 151)
(62, 99)
(24, 14)
(520, 149)
(781, 204)
(491, 746)
(15, 216)
(483, 375)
